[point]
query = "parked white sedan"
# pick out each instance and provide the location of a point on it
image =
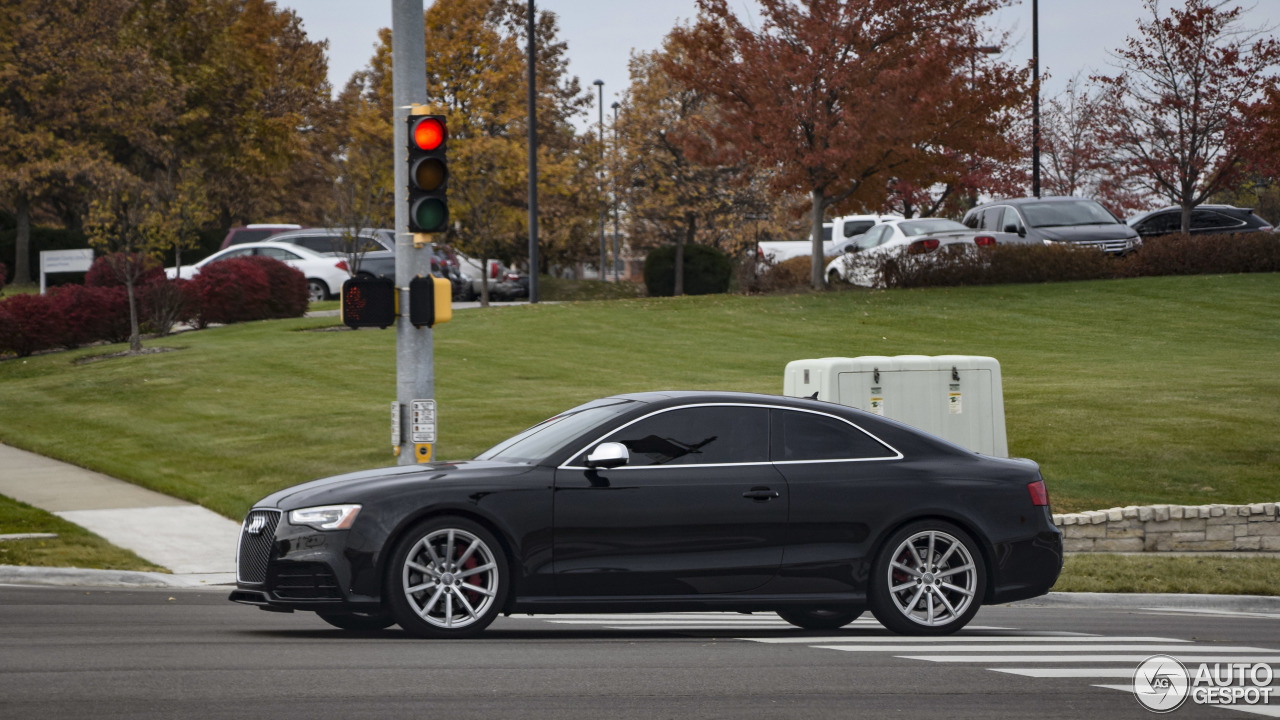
(912, 237)
(325, 273)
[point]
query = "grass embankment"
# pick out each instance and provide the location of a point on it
(1127, 392)
(73, 547)
(1178, 574)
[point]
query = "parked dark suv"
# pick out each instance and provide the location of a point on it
(1052, 220)
(1205, 220)
(254, 233)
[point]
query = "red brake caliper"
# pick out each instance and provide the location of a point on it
(472, 596)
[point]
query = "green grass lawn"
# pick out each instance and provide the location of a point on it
(1126, 392)
(1097, 572)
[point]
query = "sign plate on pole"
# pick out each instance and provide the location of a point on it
(423, 428)
(63, 261)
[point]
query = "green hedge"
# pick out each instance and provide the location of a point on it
(707, 271)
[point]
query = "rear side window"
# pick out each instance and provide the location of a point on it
(857, 227)
(698, 436)
(1210, 220)
(801, 436)
(248, 236)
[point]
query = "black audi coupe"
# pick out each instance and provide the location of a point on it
(664, 501)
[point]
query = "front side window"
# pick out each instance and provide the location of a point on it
(992, 218)
(800, 436)
(1165, 222)
(707, 435)
(858, 227)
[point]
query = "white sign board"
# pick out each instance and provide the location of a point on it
(395, 424)
(423, 422)
(63, 261)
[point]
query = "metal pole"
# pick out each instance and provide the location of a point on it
(616, 249)
(533, 157)
(415, 366)
(1035, 99)
(600, 84)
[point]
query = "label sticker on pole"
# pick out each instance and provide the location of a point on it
(422, 428)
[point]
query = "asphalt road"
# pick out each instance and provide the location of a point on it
(78, 653)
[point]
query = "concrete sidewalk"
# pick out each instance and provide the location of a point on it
(195, 543)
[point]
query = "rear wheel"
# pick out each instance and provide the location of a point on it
(928, 579)
(833, 277)
(821, 618)
(447, 579)
(359, 621)
(317, 290)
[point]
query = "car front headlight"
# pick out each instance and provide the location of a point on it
(326, 517)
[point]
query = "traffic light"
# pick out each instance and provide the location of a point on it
(368, 302)
(430, 301)
(428, 174)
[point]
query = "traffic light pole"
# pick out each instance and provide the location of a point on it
(415, 363)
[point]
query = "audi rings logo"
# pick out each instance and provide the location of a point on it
(1160, 684)
(256, 525)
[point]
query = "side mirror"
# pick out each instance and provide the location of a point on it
(608, 455)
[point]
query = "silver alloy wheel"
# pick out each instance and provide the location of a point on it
(932, 578)
(450, 578)
(316, 290)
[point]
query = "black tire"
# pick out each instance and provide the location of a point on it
(447, 578)
(833, 278)
(317, 290)
(938, 597)
(359, 621)
(821, 618)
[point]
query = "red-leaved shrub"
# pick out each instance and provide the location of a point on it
(27, 324)
(289, 296)
(231, 291)
(4, 273)
(165, 303)
(106, 270)
(82, 315)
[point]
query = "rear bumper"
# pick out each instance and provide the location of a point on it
(1026, 568)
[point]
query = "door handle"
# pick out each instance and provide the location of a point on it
(760, 494)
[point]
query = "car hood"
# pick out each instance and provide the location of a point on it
(351, 487)
(1085, 233)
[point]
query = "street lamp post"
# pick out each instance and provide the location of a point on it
(1035, 98)
(616, 249)
(600, 84)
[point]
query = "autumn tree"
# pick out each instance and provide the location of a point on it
(671, 197)
(834, 96)
(1178, 116)
(78, 103)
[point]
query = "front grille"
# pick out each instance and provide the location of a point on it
(304, 581)
(257, 536)
(1108, 246)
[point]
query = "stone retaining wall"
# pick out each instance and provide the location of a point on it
(1158, 528)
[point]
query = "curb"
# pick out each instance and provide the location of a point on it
(1150, 601)
(81, 577)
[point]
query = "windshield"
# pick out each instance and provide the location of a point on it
(1074, 212)
(543, 439)
(912, 228)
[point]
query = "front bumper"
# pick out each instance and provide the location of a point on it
(286, 567)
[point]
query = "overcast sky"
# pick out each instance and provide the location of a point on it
(1075, 35)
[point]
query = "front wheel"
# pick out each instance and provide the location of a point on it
(819, 618)
(359, 621)
(447, 579)
(833, 277)
(928, 580)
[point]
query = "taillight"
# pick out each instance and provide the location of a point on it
(1039, 493)
(342, 265)
(984, 241)
(493, 271)
(922, 246)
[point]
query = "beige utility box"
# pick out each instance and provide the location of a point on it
(956, 397)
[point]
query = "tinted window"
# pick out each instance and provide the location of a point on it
(1208, 219)
(991, 219)
(1165, 222)
(808, 436)
(697, 436)
(826, 232)
(248, 236)
(857, 228)
(318, 243)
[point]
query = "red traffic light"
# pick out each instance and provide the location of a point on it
(428, 134)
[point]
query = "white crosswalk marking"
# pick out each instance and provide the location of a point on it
(1025, 653)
